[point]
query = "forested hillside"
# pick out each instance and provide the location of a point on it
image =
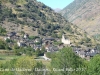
(35, 18)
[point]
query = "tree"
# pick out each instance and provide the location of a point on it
(9, 40)
(7, 66)
(66, 59)
(29, 51)
(24, 65)
(3, 45)
(39, 65)
(38, 52)
(30, 64)
(94, 66)
(25, 62)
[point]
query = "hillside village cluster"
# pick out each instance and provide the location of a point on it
(47, 42)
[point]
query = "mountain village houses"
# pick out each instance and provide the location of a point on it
(47, 42)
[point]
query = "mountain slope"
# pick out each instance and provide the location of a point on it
(35, 18)
(85, 14)
(57, 10)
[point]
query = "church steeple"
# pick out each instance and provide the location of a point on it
(63, 36)
(65, 41)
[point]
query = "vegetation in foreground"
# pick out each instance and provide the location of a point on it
(64, 62)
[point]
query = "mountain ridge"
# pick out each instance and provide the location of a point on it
(57, 10)
(85, 14)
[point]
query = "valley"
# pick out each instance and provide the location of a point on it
(34, 37)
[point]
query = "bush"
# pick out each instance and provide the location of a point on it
(9, 40)
(32, 37)
(3, 45)
(2, 31)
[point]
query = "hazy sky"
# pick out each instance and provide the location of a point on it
(56, 3)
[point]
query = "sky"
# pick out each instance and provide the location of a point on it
(56, 3)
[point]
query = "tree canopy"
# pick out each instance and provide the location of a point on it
(68, 61)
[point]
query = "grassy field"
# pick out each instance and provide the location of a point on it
(4, 58)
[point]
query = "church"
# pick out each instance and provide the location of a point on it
(65, 41)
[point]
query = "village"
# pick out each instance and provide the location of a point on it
(48, 44)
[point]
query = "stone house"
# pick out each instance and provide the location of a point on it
(87, 54)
